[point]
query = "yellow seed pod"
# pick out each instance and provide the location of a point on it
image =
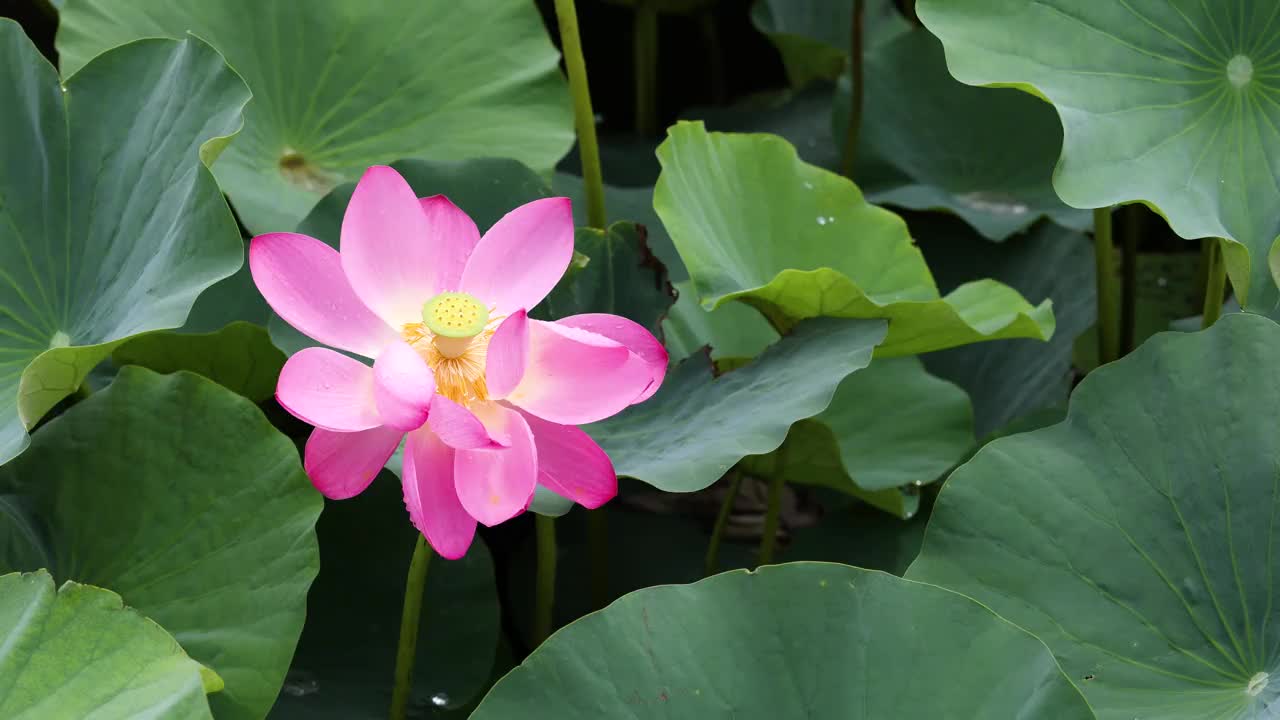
(455, 315)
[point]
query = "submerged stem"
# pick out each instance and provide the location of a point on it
(645, 49)
(598, 552)
(544, 600)
(855, 93)
(584, 117)
(722, 521)
(1105, 268)
(1129, 284)
(409, 618)
(1216, 283)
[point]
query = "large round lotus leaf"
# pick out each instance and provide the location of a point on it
(984, 154)
(77, 652)
(1008, 380)
(340, 85)
(1167, 101)
(754, 223)
(239, 357)
(813, 640)
(110, 222)
(178, 495)
(1137, 537)
(697, 426)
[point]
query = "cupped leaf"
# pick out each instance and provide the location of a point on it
(929, 142)
(797, 640)
(1007, 380)
(696, 427)
(754, 223)
(112, 223)
(888, 426)
(1137, 537)
(239, 357)
(1171, 102)
(78, 652)
(813, 36)
(343, 85)
(179, 495)
(345, 665)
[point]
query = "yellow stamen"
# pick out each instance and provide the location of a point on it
(459, 372)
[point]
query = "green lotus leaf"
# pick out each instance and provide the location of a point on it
(78, 652)
(854, 533)
(344, 85)
(239, 357)
(814, 35)
(345, 665)
(929, 142)
(1009, 379)
(888, 426)
(754, 223)
(623, 277)
(735, 332)
(698, 426)
(178, 495)
(112, 223)
(798, 640)
(1169, 102)
(1137, 537)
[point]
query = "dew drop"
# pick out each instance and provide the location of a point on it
(439, 699)
(1240, 70)
(822, 220)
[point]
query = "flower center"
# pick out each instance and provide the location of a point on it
(453, 339)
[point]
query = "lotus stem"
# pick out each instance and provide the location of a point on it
(722, 521)
(584, 117)
(1216, 283)
(1104, 257)
(409, 619)
(645, 48)
(1129, 283)
(544, 600)
(598, 554)
(855, 94)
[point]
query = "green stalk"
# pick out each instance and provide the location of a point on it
(583, 117)
(598, 556)
(409, 619)
(544, 601)
(1129, 282)
(855, 99)
(772, 518)
(722, 521)
(1215, 285)
(714, 55)
(645, 48)
(1104, 256)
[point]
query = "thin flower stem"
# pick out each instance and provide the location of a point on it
(409, 619)
(1104, 257)
(1216, 283)
(598, 553)
(772, 518)
(583, 116)
(1129, 285)
(722, 521)
(855, 99)
(544, 601)
(714, 54)
(645, 48)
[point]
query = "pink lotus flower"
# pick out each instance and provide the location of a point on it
(489, 398)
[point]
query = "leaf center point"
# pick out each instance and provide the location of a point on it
(1257, 684)
(1240, 70)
